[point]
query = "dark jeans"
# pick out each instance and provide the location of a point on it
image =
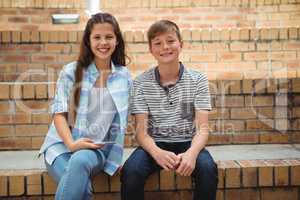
(140, 165)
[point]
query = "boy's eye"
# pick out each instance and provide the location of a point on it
(156, 43)
(171, 41)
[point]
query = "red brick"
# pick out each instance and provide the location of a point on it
(245, 194)
(279, 194)
(15, 143)
(49, 184)
(249, 174)
(219, 139)
(28, 91)
(43, 118)
(243, 113)
(16, 91)
(183, 182)
(295, 174)
(3, 186)
(235, 87)
(101, 183)
(152, 183)
(6, 131)
(265, 176)
(115, 184)
(259, 101)
(43, 58)
(231, 101)
(36, 142)
(245, 138)
(34, 184)
(221, 176)
(274, 138)
(41, 91)
(16, 185)
(232, 174)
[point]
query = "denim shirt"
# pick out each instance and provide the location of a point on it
(118, 84)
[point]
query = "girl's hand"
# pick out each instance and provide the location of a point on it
(166, 159)
(83, 143)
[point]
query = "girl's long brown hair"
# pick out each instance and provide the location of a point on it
(86, 55)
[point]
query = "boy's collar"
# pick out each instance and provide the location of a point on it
(157, 75)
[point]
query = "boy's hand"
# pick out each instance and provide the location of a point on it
(166, 159)
(187, 164)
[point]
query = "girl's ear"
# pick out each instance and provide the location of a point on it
(181, 44)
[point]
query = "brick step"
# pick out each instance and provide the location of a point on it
(254, 172)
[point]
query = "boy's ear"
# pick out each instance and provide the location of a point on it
(181, 44)
(150, 48)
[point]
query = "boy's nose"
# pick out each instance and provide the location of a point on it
(165, 45)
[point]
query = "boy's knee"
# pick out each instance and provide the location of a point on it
(206, 165)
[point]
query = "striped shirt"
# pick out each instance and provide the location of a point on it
(170, 109)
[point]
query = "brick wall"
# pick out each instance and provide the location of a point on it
(250, 51)
(258, 103)
(31, 15)
(191, 3)
(257, 53)
(188, 14)
(206, 14)
(42, 4)
(244, 112)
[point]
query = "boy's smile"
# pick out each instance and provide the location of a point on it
(166, 48)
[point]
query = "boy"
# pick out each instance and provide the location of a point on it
(170, 104)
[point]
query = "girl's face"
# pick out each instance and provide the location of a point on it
(103, 41)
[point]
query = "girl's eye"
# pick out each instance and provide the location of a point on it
(109, 37)
(157, 43)
(171, 41)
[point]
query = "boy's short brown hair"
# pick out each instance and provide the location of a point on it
(162, 26)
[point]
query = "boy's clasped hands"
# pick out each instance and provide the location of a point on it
(183, 164)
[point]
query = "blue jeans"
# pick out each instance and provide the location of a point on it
(73, 173)
(140, 165)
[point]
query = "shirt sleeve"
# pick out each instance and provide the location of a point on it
(137, 99)
(64, 86)
(202, 98)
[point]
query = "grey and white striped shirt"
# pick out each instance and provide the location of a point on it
(171, 109)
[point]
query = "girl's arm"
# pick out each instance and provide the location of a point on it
(63, 130)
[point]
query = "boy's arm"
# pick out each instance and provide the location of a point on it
(166, 159)
(188, 158)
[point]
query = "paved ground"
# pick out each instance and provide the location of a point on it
(18, 160)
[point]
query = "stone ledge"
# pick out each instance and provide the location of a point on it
(255, 167)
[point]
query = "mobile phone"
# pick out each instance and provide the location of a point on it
(104, 142)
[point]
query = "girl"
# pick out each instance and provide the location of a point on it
(98, 83)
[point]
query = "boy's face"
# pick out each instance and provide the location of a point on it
(166, 48)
